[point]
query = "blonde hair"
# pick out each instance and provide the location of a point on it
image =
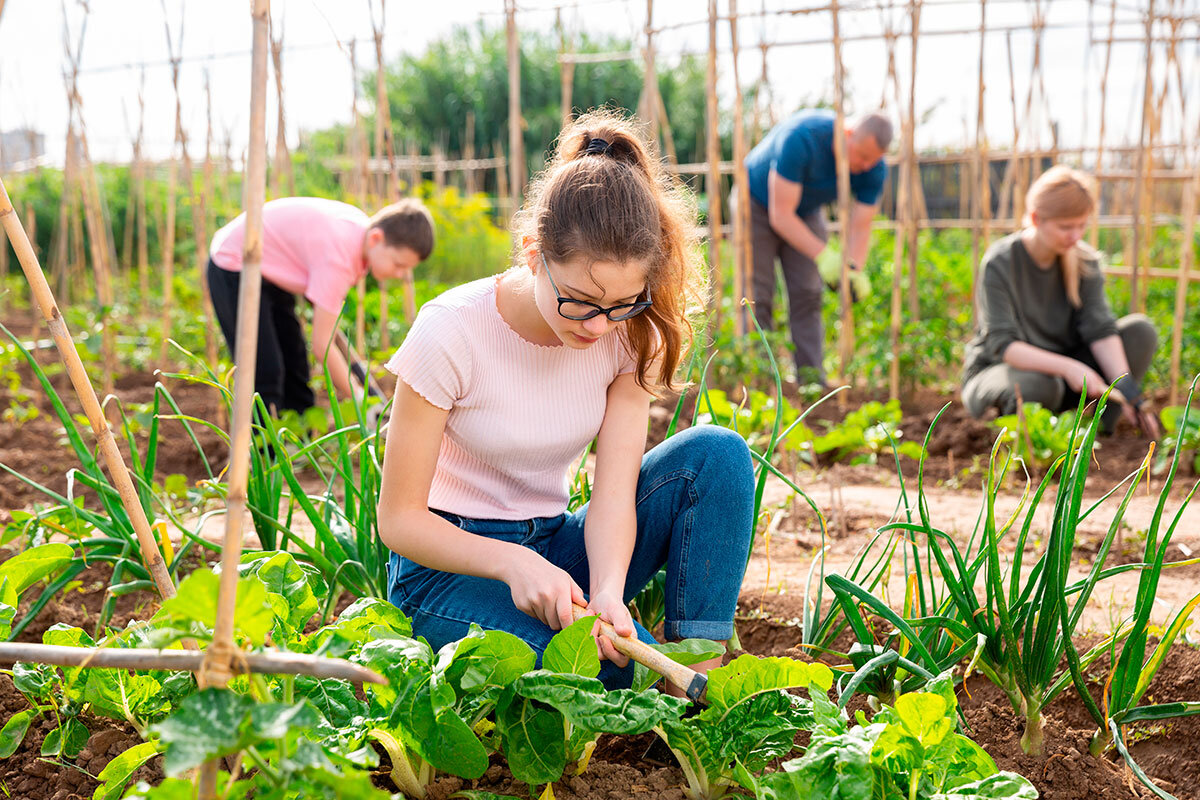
(1062, 192)
(613, 201)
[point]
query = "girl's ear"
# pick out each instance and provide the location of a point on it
(529, 252)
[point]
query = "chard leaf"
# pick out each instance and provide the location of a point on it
(748, 675)
(27, 568)
(169, 789)
(480, 794)
(196, 602)
(533, 738)
(8, 613)
(573, 650)
(66, 636)
(282, 576)
(14, 731)
(430, 727)
(762, 729)
(217, 722)
(33, 680)
(1001, 786)
(120, 694)
(586, 704)
(367, 612)
(390, 657)
(116, 773)
(333, 698)
(923, 721)
(958, 761)
(66, 740)
(696, 754)
(833, 768)
(495, 659)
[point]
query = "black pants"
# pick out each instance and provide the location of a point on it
(282, 372)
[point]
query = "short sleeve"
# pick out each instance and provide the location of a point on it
(795, 154)
(327, 291)
(871, 185)
(435, 357)
(1096, 319)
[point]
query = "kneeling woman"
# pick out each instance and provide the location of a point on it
(1043, 324)
(503, 382)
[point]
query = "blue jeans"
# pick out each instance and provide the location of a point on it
(695, 508)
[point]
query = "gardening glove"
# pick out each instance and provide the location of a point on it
(829, 265)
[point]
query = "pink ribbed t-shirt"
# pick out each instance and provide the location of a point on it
(311, 246)
(520, 413)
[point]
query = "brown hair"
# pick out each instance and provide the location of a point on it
(1062, 193)
(406, 223)
(604, 196)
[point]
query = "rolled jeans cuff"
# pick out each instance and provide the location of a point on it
(717, 630)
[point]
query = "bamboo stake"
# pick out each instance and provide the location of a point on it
(359, 151)
(664, 127)
(980, 238)
(916, 193)
(1187, 257)
(516, 137)
(60, 259)
(741, 187)
(129, 222)
(713, 184)
(216, 669)
(98, 244)
(566, 69)
(266, 663)
(143, 226)
(903, 184)
(106, 443)
(470, 186)
(1145, 137)
(503, 201)
(846, 337)
(283, 159)
(1094, 235)
(381, 101)
(648, 109)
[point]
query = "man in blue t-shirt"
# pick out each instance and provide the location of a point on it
(793, 174)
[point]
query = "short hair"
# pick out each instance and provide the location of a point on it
(878, 126)
(406, 223)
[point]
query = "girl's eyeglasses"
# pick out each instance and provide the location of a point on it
(570, 308)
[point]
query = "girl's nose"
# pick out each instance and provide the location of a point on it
(596, 326)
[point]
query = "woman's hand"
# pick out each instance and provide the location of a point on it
(612, 610)
(1076, 373)
(542, 590)
(1145, 421)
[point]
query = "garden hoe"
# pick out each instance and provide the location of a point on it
(694, 684)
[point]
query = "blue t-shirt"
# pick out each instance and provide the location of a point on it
(800, 149)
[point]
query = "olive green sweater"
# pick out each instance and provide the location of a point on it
(1018, 301)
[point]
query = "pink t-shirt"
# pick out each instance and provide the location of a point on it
(311, 246)
(520, 413)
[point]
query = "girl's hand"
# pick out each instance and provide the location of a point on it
(613, 611)
(542, 590)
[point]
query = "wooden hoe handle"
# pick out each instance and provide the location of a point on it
(694, 684)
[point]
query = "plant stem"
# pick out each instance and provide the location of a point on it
(1031, 739)
(914, 781)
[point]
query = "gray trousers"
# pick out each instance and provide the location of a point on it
(994, 387)
(805, 289)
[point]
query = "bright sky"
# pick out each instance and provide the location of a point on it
(122, 34)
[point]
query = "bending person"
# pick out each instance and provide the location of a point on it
(316, 248)
(504, 382)
(1042, 320)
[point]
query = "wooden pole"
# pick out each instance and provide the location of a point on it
(358, 148)
(916, 204)
(381, 104)
(649, 105)
(566, 69)
(903, 184)
(846, 335)
(470, 185)
(106, 443)
(503, 200)
(516, 136)
(283, 159)
(1144, 164)
(1191, 194)
(713, 185)
(741, 187)
(135, 658)
(1094, 236)
(143, 225)
(980, 238)
(216, 669)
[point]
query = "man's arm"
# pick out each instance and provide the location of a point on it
(783, 198)
(859, 237)
(324, 324)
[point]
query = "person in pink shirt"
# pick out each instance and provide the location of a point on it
(318, 249)
(503, 384)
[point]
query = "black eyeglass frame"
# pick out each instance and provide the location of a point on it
(634, 308)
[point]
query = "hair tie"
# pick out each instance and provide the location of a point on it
(597, 147)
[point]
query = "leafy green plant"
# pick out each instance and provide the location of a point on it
(748, 722)
(1181, 434)
(908, 751)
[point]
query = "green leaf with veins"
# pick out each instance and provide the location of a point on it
(573, 650)
(534, 738)
(586, 704)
